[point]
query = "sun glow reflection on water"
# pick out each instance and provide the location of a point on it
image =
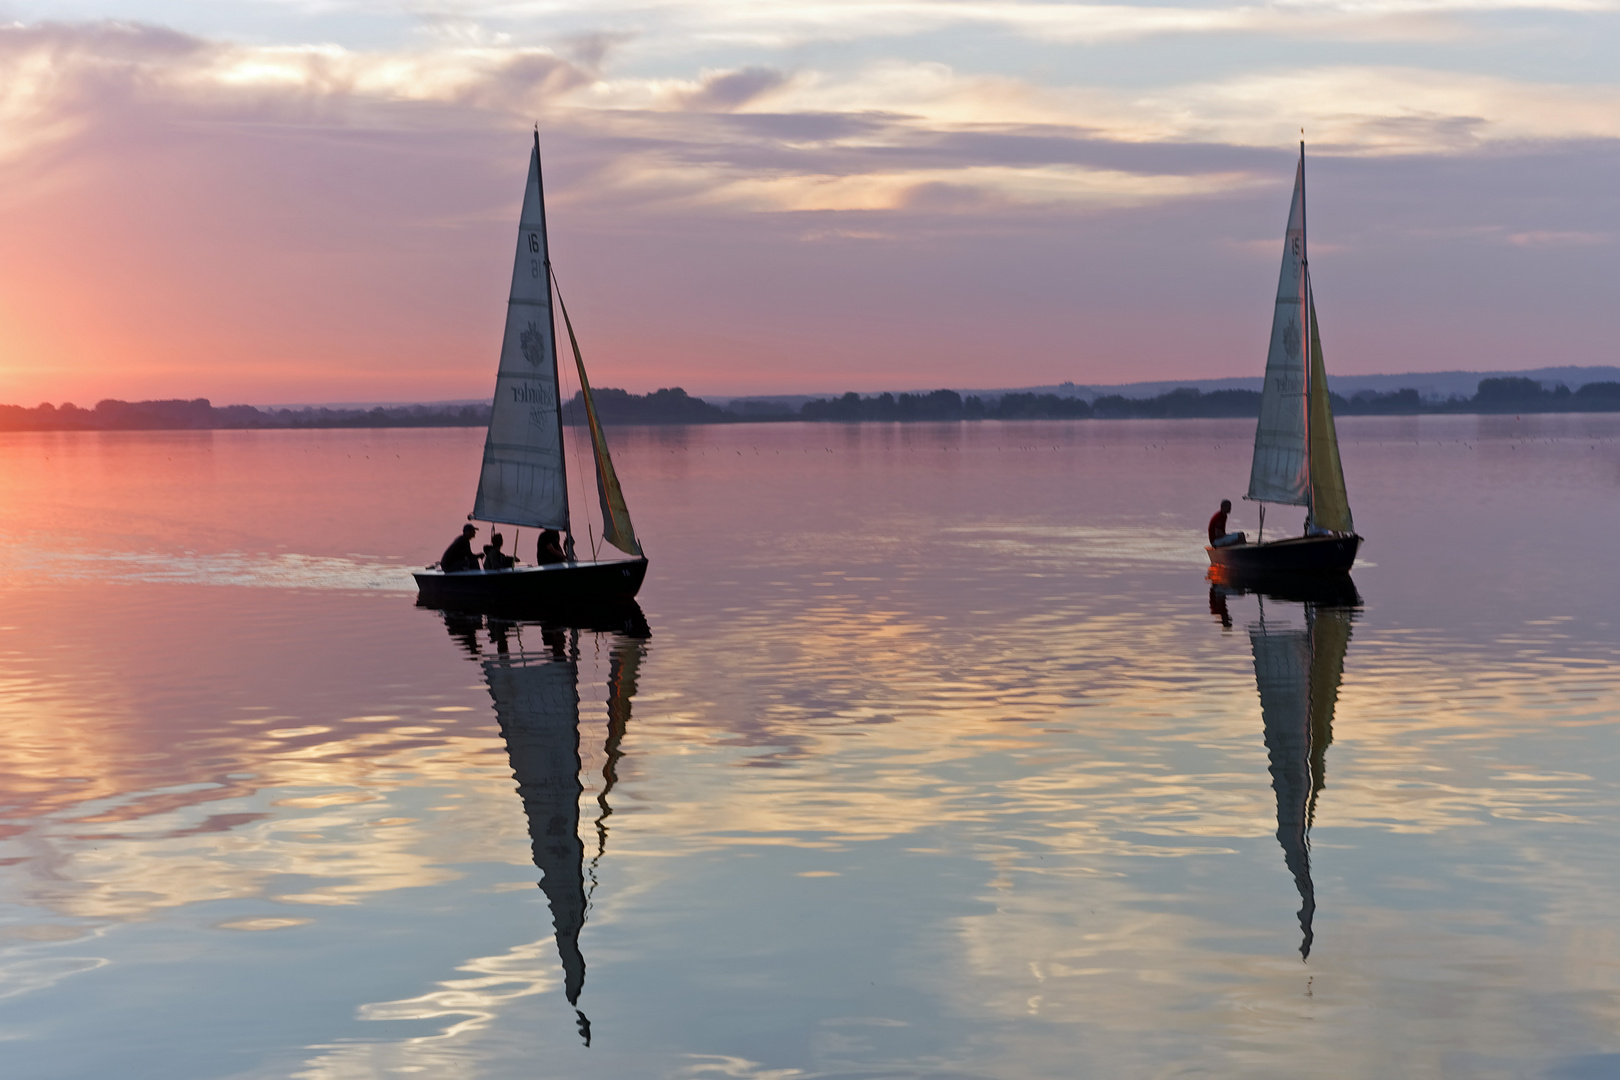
(938, 761)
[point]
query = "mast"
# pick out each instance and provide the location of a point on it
(1307, 311)
(551, 329)
(1304, 228)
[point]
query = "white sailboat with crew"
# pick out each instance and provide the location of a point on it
(523, 481)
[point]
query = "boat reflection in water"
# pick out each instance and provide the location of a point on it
(1298, 671)
(532, 671)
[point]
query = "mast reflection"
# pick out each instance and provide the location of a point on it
(1298, 672)
(535, 687)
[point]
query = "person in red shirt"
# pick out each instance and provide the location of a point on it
(1217, 521)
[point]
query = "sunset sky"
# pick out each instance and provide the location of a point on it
(314, 200)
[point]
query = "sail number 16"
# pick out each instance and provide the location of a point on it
(534, 246)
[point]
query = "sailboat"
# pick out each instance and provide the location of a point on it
(1296, 448)
(524, 480)
(536, 696)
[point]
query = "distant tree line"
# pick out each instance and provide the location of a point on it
(668, 406)
(673, 405)
(1504, 395)
(199, 414)
(1526, 395)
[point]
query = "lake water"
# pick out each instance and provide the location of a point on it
(940, 758)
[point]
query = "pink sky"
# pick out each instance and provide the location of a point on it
(189, 216)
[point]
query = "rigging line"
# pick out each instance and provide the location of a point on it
(590, 529)
(598, 465)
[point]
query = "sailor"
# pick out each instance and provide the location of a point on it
(494, 557)
(549, 549)
(1218, 536)
(459, 555)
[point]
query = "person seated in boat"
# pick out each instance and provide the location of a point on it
(1218, 536)
(494, 557)
(459, 555)
(550, 549)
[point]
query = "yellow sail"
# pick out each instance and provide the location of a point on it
(616, 527)
(1330, 506)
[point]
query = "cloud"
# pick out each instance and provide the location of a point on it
(728, 90)
(1559, 238)
(890, 134)
(57, 80)
(787, 25)
(941, 190)
(316, 222)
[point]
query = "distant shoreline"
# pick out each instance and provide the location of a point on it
(1498, 396)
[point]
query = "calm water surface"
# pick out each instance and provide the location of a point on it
(938, 756)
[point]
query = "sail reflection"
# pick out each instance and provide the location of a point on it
(1298, 672)
(532, 672)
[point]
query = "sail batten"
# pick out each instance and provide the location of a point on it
(1279, 472)
(522, 481)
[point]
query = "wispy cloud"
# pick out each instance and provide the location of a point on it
(1559, 238)
(790, 24)
(816, 139)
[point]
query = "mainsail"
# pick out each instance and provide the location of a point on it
(616, 527)
(523, 482)
(1279, 473)
(1330, 506)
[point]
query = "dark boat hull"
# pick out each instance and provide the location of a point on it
(1294, 555)
(527, 589)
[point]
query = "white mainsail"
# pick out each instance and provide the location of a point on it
(522, 481)
(1280, 473)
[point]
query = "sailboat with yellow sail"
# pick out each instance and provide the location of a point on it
(1296, 447)
(524, 480)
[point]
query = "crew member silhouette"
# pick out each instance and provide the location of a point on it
(459, 555)
(494, 557)
(550, 549)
